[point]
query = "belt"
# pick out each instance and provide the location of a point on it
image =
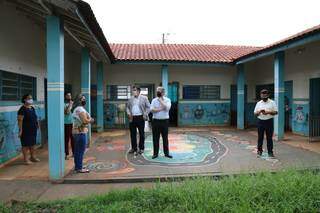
(137, 116)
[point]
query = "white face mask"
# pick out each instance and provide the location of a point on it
(29, 101)
(135, 93)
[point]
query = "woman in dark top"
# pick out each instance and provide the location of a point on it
(28, 126)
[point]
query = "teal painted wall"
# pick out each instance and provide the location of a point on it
(10, 145)
(93, 96)
(203, 113)
(251, 119)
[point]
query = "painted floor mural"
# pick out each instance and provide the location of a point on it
(187, 149)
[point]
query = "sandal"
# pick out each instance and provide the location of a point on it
(34, 159)
(27, 162)
(83, 171)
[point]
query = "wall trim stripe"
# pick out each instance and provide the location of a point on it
(55, 89)
(203, 101)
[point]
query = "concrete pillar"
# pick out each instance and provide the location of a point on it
(279, 94)
(100, 76)
(164, 77)
(55, 83)
(86, 82)
(240, 96)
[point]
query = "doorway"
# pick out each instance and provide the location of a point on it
(314, 114)
(173, 94)
(233, 105)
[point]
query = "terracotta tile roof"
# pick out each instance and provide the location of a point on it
(180, 52)
(197, 52)
(295, 37)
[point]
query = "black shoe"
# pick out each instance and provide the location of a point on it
(270, 155)
(154, 156)
(168, 156)
(131, 151)
(259, 153)
(141, 151)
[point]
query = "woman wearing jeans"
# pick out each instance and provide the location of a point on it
(81, 120)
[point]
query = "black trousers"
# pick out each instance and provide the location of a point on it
(160, 127)
(265, 126)
(137, 122)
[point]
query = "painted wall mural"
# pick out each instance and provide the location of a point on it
(203, 113)
(9, 141)
(300, 118)
(115, 115)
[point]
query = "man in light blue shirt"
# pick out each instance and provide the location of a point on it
(160, 107)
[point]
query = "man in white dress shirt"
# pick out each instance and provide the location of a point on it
(265, 110)
(138, 108)
(160, 107)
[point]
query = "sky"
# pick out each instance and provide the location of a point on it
(228, 22)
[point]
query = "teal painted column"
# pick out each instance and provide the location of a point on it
(100, 123)
(164, 77)
(55, 83)
(86, 81)
(240, 96)
(279, 94)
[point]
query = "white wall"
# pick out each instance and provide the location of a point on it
(299, 67)
(202, 75)
(120, 74)
(22, 46)
(23, 49)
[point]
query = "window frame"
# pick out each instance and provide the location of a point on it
(201, 89)
(111, 97)
(20, 81)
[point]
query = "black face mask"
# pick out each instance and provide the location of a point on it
(265, 99)
(158, 94)
(83, 103)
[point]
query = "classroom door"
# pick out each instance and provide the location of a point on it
(173, 94)
(233, 107)
(314, 115)
(288, 85)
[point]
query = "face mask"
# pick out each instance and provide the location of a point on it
(83, 103)
(159, 94)
(265, 99)
(29, 101)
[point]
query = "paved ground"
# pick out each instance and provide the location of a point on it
(196, 151)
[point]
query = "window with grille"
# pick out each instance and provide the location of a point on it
(118, 92)
(13, 86)
(205, 92)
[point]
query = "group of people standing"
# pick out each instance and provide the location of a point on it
(138, 110)
(76, 120)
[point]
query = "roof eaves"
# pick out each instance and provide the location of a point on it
(86, 11)
(173, 62)
(290, 42)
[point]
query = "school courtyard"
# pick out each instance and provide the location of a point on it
(209, 152)
(55, 47)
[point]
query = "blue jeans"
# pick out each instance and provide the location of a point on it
(80, 141)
